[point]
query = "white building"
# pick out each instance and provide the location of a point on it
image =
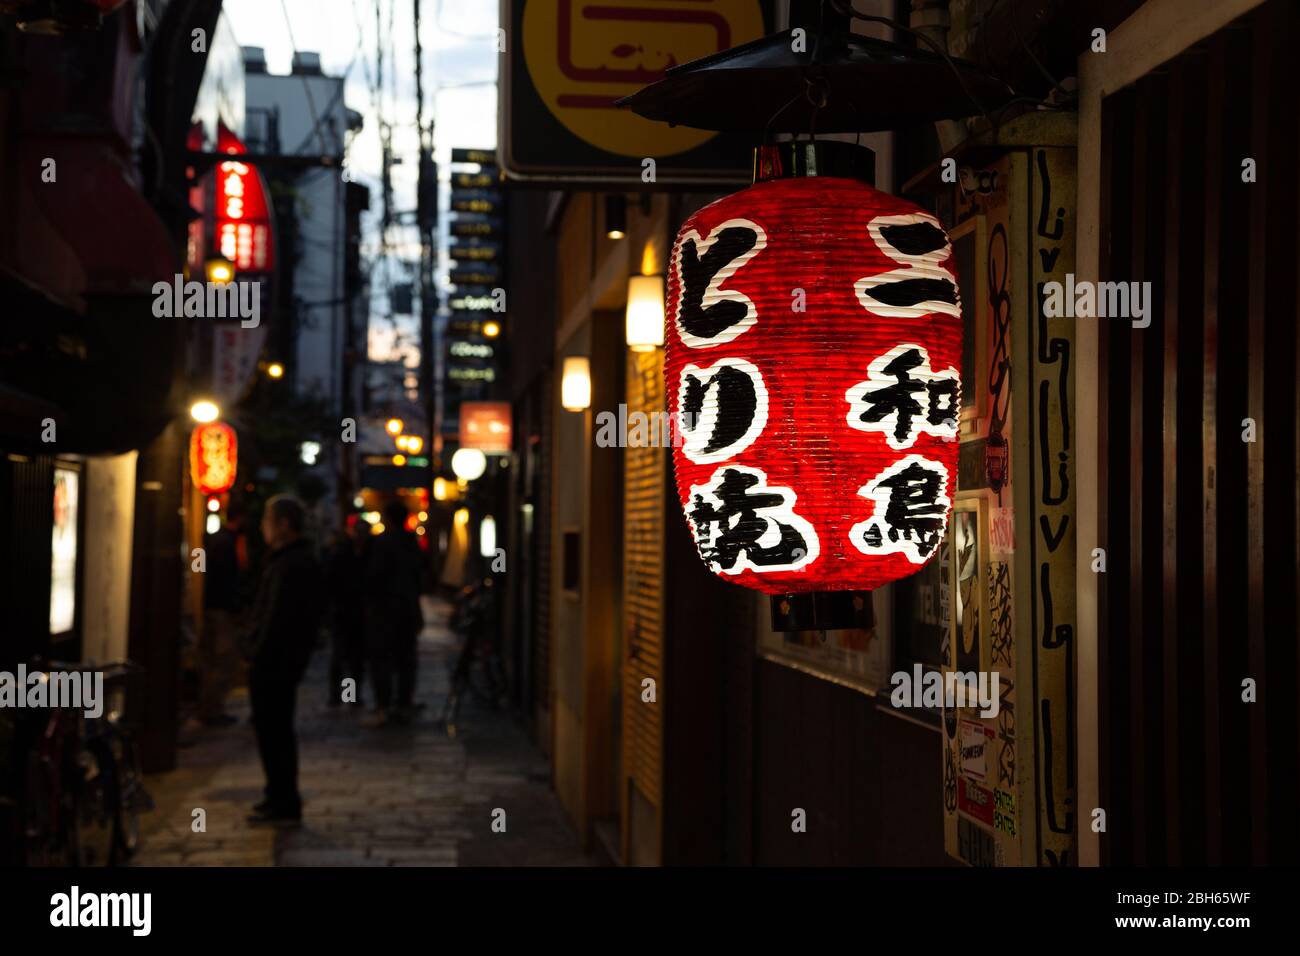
(304, 114)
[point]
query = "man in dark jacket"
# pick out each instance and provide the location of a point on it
(286, 617)
(393, 617)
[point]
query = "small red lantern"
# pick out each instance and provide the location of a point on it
(813, 368)
(213, 458)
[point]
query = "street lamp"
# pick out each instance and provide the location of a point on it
(491, 329)
(205, 411)
(275, 370)
(468, 463)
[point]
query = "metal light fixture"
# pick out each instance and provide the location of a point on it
(645, 313)
(468, 464)
(575, 384)
(205, 411)
(615, 216)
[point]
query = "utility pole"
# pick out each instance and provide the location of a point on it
(426, 218)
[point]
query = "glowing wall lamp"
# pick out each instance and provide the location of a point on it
(468, 463)
(645, 313)
(615, 216)
(204, 411)
(487, 537)
(575, 385)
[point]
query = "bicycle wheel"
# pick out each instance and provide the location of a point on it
(93, 812)
(131, 797)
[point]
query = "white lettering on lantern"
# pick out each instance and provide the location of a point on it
(707, 314)
(740, 523)
(911, 512)
(723, 408)
(923, 286)
(904, 398)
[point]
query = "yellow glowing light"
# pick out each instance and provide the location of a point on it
(414, 443)
(469, 463)
(462, 516)
(399, 459)
(575, 386)
(275, 370)
(645, 313)
(491, 329)
(394, 426)
(214, 504)
(205, 411)
(377, 528)
(219, 270)
(649, 259)
(400, 441)
(419, 531)
(440, 489)
(424, 515)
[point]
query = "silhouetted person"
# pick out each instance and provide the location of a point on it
(217, 645)
(346, 577)
(393, 616)
(286, 616)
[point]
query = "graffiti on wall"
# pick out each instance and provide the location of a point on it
(1052, 541)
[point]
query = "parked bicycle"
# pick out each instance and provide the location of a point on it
(82, 788)
(479, 669)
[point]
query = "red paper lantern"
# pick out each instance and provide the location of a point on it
(214, 458)
(813, 367)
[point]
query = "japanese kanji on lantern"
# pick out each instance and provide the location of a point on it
(213, 458)
(813, 366)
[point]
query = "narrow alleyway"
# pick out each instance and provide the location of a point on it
(397, 796)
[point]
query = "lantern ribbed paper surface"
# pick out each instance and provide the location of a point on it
(813, 367)
(214, 451)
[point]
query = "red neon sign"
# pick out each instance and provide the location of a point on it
(243, 214)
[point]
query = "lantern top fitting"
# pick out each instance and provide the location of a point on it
(833, 83)
(796, 159)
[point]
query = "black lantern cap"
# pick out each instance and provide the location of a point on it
(844, 83)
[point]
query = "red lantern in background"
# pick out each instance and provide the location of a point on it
(214, 458)
(813, 367)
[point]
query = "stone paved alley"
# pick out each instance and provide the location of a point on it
(405, 796)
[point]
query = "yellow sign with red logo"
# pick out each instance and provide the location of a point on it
(583, 56)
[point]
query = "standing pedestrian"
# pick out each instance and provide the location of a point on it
(218, 655)
(284, 628)
(393, 617)
(346, 577)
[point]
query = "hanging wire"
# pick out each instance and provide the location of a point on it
(845, 8)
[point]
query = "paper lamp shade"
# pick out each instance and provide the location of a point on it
(813, 356)
(214, 458)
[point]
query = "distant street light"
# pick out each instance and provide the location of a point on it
(204, 411)
(468, 463)
(491, 329)
(275, 370)
(394, 427)
(219, 269)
